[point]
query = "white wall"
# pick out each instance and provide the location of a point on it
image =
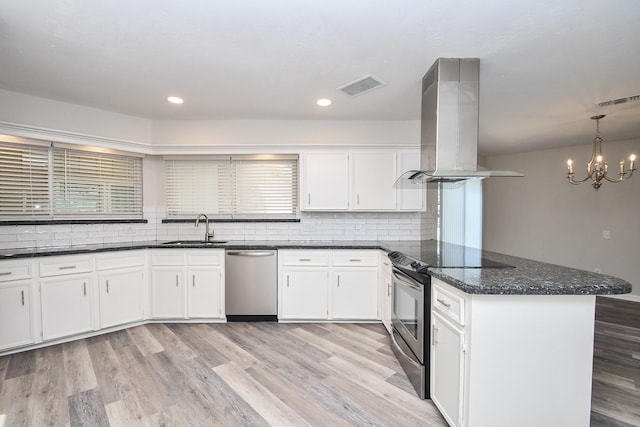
(288, 133)
(543, 217)
(17, 108)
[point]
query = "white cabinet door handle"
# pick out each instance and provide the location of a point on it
(435, 335)
(338, 280)
(84, 288)
(287, 280)
(443, 302)
(309, 199)
(176, 280)
(22, 292)
(107, 286)
(194, 280)
(67, 267)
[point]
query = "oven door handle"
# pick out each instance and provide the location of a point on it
(406, 282)
(409, 358)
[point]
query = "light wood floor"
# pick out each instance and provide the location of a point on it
(235, 374)
(616, 364)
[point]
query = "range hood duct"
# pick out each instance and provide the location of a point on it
(449, 126)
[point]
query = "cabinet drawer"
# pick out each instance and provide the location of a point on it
(206, 257)
(121, 259)
(167, 258)
(448, 303)
(312, 258)
(65, 265)
(346, 258)
(14, 271)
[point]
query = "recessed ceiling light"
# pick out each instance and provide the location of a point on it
(324, 102)
(175, 100)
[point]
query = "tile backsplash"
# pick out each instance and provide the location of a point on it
(312, 226)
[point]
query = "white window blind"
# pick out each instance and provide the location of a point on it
(24, 181)
(96, 185)
(235, 187)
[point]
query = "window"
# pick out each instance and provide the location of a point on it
(258, 186)
(24, 181)
(90, 184)
(38, 181)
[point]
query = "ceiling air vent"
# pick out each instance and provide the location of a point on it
(362, 85)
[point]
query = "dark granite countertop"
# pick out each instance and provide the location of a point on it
(527, 278)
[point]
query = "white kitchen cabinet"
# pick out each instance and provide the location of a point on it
(67, 305)
(303, 284)
(167, 292)
(121, 287)
(328, 284)
(121, 298)
(384, 303)
(15, 314)
(16, 317)
(495, 357)
(410, 199)
(304, 293)
(187, 284)
(373, 175)
(325, 181)
(354, 293)
(204, 292)
(447, 377)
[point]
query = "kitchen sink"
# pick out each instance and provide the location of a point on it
(194, 243)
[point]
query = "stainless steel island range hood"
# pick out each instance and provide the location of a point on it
(449, 125)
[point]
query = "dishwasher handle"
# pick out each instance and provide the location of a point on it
(251, 253)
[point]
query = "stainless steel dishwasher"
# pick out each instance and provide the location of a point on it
(251, 283)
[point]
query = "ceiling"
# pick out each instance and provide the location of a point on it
(545, 64)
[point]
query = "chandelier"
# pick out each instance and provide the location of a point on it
(597, 168)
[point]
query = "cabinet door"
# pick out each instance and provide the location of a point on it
(15, 315)
(447, 368)
(373, 176)
(304, 294)
(67, 307)
(121, 297)
(410, 199)
(385, 293)
(354, 294)
(167, 293)
(204, 293)
(325, 181)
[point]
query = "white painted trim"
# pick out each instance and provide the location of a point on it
(74, 138)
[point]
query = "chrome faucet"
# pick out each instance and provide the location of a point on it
(207, 236)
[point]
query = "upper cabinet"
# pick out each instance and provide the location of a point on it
(359, 180)
(325, 182)
(373, 175)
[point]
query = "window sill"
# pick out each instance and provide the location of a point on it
(182, 220)
(73, 221)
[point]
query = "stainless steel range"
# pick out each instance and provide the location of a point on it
(411, 303)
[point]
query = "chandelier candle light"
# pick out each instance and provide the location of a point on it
(597, 167)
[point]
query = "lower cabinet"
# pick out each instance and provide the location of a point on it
(328, 284)
(354, 293)
(121, 297)
(447, 355)
(304, 293)
(15, 314)
(167, 292)
(384, 305)
(204, 292)
(187, 284)
(67, 305)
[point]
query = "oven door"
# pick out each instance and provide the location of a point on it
(408, 315)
